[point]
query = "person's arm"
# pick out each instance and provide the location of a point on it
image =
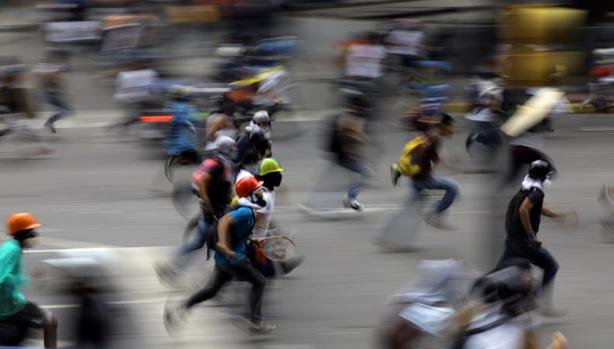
(549, 213)
(223, 231)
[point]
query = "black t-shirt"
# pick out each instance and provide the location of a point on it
(513, 224)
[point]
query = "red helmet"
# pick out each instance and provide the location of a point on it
(246, 185)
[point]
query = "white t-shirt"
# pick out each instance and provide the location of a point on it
(261, 228)
(365, 61)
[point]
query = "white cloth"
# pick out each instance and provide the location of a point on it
(528, 183)
(561, 107)
(242, 174)
(429, 319)
(483, 115)
(135, 85)
(509, 335)
(261, 228)
(365, 61)
(405, 42)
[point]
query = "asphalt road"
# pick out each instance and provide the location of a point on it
(95, 193)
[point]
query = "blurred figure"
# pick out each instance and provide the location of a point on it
(135, 91)
(181, 139)
(363, 64)
(270, 173)
(522, 223)
(347, 144)
(427, 310)
(486, 118)
(17, 314)
(406, 40)
(15, 107)
(50, 72)
(255, 143)
(417, 160)
(231, 260)
(212, 184)
(220, 124)
(502, 317)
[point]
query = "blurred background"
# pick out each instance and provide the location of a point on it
(86, 134)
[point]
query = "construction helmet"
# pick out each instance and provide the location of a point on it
(19, 222)
(269, 165)
(246, 186)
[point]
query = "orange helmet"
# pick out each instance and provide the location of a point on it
(247, 185)
(21, 221)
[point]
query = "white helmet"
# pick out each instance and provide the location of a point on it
(223, 144)
(261, 117)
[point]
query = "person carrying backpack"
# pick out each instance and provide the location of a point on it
(231, 261)
(417, 160)
(212, 184)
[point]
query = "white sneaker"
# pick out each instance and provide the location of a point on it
(352, 203)
(261, 327)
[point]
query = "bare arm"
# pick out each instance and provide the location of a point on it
(223, 231)
(549, 213)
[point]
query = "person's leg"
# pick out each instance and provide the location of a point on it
(360, 174)
(218, 279)
(205, 224)
(544, 260)
(62, 108)
(451, 191)
(248, 273)
(50, 331)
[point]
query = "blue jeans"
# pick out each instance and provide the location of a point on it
(438, 183)
(206, 225)
(63, 108)
(359, 176)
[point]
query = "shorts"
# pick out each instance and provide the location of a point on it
(14, 329)
(30, 316)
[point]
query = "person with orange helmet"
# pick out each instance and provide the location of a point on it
(17, 314)
(231, 261)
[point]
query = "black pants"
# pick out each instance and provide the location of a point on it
(220, 277)
(539, 257)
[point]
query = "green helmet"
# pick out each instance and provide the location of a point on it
(269, 165)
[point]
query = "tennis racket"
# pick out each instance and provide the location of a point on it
(279, 248)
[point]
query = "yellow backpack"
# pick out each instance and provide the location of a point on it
(406, 166)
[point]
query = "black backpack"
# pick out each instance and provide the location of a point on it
(332, 136)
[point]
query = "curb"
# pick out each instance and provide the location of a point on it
(463, 107)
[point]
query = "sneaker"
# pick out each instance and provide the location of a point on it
(395, 174)
(50, 127)
(174, 316)
(352, 203)
(549, 310)
(438, 222)
(292, 264)
(261, 327)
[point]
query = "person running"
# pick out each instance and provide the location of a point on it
(253, 146)
(522, 223)
(181, 142)
(270, 173)
(50, 73)
(231, 261)
(212, 184)
(347, 146)
(417, 160)
(17, 314)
